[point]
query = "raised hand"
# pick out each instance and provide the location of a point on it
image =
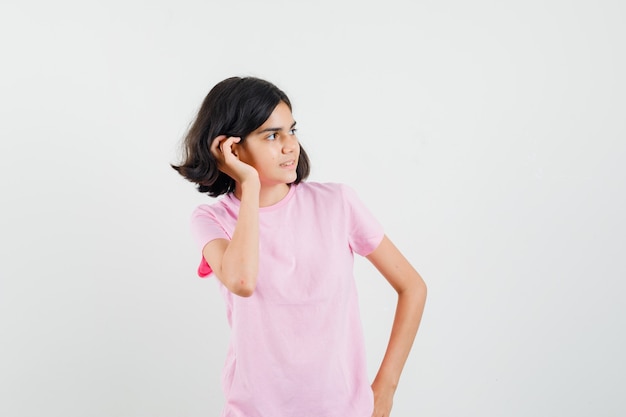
(229, 163)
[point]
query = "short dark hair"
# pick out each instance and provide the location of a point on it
(234, 107)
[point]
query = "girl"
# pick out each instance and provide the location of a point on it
(282, 250)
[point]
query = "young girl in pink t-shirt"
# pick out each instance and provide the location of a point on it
(282, 250)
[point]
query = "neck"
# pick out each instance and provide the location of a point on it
(268, 195)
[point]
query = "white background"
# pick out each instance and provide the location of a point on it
(487, 136)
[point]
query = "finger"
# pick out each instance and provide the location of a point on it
(227, 146)
(215, 145)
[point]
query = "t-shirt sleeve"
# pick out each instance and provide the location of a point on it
(205, 227)
(364, 232)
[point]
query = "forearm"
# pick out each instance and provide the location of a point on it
(240, 262)
(407, 318)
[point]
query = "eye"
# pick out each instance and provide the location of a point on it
(293, 131)
(271, 137)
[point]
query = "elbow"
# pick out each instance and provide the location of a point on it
(240, 281)
(416, 290)
(244, 287)
(422, 289)
(244, 291)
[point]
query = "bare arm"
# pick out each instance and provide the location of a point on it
(236, 262)
(411, 291)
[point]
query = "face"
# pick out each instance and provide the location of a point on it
(273, 148)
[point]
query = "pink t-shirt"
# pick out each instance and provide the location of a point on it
(296, 345)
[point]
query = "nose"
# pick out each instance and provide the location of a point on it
(290, 144)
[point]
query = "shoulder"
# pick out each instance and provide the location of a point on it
(330, 192)
(324, 189)
(218, 209)
(327, 197)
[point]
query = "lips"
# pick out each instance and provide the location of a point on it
(288, 164)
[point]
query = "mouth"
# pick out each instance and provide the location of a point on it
(288, 164)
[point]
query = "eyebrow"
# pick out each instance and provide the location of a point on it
(276, 129)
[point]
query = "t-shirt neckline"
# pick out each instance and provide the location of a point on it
(292, 189)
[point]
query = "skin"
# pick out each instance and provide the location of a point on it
(263, 166)
(411, 291)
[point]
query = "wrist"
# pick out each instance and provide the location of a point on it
(249, 191)
(386, 383)
(251, 184)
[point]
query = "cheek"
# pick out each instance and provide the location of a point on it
(258, 157)
(246, 154)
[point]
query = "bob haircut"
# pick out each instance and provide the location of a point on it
(234, 107)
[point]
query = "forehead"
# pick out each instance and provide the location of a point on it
(281, 118)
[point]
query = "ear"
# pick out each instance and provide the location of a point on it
(234, 148)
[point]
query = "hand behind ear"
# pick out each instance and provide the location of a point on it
(228, 161)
